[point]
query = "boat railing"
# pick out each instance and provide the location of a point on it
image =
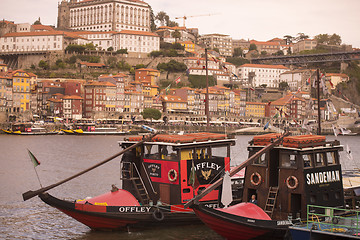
(335, 220)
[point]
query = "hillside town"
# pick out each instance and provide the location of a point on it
(124, 31)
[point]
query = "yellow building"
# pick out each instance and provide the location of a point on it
(188, 46)
(21, 90)
(255, 109)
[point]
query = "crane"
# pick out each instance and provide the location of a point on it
(202, 15)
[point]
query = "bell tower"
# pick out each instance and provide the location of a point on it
(63, 22)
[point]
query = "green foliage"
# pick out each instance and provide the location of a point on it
(353, 71)
(263, 53)
(112, 62)
(155, 53)
(71, 48)
(122, 51)
(172, 66)
(152, 20)
(138, 66)
(199, 81)
(110, 49)
(32, 66)
(178, 46)
(252, 47)
(43, 64)
(176, 34)
(216, 50)
(71, 60)
(151, 113)
(238, 52)
(327, 39)
(124, 66)
(163, 18)
(237, 61)
(283, 85)
(60, 64)
(90, 46)
(94, 59)
(279, 53)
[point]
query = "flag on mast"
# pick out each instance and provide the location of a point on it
(33, 159)
(177, 80)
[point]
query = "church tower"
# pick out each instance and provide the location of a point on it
(63, 22)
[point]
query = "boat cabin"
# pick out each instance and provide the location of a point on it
(302, 170)
(173, 169)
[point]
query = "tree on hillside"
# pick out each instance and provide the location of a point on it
(301, 36)
(176, 34)
(172, 66)
(238, 52)
(199, 81)
(163, 18)
(327, 39)
(252, 47)
(283, 85)
(289, 39)
(152, 20)
(151, 113)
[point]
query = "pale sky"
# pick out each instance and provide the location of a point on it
(261, 20)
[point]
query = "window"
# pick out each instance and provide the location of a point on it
(260, 160)
(288, 160)
(307, 160)
(331, 159)
(319, 159)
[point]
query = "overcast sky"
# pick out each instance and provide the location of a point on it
(261, 20)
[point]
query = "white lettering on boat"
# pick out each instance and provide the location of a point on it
(134, 209)
(251, 220)
(207, 165)
(283, 222)
(322, 177)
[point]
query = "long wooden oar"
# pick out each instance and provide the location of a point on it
(235, 170)
(30, 194)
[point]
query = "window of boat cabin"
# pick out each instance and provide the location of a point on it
(288, 160)
(262, 160)
(319, 159)
(308, 160)
(160, 152)
(331, 158)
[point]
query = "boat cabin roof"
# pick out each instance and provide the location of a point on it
(185, 141)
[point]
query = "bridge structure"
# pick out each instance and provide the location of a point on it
(309, 58)
(12, 59)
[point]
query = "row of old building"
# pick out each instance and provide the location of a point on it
(120, 95)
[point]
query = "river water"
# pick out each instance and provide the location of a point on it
(62, 156)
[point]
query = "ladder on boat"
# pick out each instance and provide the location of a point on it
(271, 200)
(130, 172)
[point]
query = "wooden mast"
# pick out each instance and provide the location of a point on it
(318, 100)
(207, 90)
(30, 194)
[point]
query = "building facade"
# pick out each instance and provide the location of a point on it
(104, 15)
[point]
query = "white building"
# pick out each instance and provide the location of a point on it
(297, 79)
(136, 41)
(261, 74)
(104, 15)
(39, 41)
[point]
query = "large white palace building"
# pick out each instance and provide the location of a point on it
(104, 15)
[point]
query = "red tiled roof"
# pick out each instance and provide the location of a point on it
(42, 27)
(73, 97)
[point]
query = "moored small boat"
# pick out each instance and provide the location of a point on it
(286, 179)
(158, 178)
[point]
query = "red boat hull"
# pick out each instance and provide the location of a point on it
(122, 217)
(237, 227)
